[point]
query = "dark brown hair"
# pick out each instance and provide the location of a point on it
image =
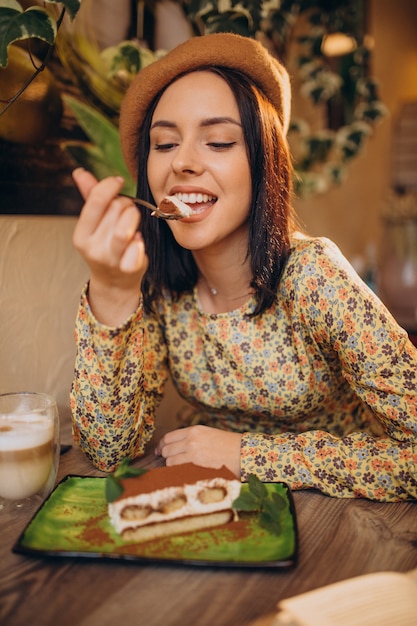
(271, 218)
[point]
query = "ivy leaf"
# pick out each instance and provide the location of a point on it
(230, 22)
(17, 24)
(71, 6)
(127, 58)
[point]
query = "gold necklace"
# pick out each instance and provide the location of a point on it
(215, 292)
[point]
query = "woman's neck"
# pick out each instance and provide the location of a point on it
(223, 285)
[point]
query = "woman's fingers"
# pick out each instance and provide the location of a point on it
(98, 198)
(107, 237)
(201, 445)
(121, 223)
(134, 257)
(106, 232)
(84, 180)
(172, 442)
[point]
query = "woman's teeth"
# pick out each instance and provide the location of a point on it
(194, 198)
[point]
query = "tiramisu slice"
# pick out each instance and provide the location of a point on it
(171, 205)
(174, 500)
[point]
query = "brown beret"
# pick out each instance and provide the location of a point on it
(220, 49)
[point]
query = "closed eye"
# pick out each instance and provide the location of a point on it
(164, 147)
(222, 146)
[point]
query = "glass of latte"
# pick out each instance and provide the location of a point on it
(29, 448)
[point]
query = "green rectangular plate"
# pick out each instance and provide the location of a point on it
(73, 522)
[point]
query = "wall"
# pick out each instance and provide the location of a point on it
(41, 275)
(350, 214)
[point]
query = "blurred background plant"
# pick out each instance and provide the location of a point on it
(21, 21)
(31, 97)
(27, 36)
(324, 44)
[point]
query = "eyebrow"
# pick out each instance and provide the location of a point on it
(211, 121)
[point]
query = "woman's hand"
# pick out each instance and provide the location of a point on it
(201, 445)
(107, 238)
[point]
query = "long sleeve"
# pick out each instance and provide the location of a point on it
(118, 383)
(323, 385)
(348, 324)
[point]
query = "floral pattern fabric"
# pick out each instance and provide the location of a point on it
(322, 386)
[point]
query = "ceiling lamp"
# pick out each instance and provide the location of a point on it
(338, 44)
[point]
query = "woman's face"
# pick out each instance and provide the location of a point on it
(198, 153)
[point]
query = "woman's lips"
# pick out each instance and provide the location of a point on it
(191, 204)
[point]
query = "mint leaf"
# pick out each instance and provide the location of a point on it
(246, 502)
(114, 487)
(269, 508)
(269, 504)
(130, 472)
(279, 502)
(271, 523)
(125, 470)
(257, 487)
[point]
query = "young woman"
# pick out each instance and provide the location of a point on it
(296, 370)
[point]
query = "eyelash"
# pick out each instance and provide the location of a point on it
(222, 146)
(165, 147)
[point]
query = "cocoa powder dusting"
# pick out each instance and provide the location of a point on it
(167, 206)
(93, 534)
(175, 476)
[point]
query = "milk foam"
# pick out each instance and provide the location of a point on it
(26, 455)
(23, 432)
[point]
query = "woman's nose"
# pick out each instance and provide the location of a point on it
(186, 160)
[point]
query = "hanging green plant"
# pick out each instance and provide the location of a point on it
(17, 23)
(34, 22)
(333, 66)
(303, 33)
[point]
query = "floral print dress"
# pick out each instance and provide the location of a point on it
(323, 385)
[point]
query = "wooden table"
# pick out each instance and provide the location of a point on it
(338, 539)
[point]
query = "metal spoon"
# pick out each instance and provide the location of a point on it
(156, 211)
